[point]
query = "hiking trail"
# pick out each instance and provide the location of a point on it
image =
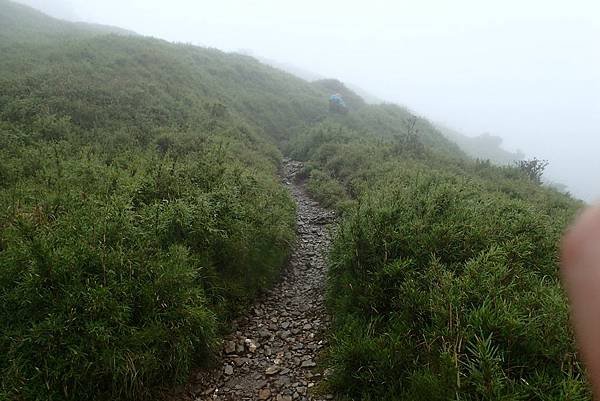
(271, 353)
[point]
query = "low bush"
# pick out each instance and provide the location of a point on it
(141, 206)
(439, 288)
(443, 275)
(114, 278)
(326, 190)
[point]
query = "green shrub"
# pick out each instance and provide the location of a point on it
(326, 190)
(115, 277)
(442, 279)
(143, 210)
(443, 290)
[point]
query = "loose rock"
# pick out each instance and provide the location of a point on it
(264, 394)
(272, 370)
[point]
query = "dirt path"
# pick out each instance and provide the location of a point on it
(272, 353)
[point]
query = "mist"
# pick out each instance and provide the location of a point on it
(526, 71)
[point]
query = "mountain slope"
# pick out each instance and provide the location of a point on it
(24, 24)
(142, 207)
(114, 75)
(143, 211)
(154, 83)
(485, 146)
(439, 273)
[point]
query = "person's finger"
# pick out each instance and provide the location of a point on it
(580, 266)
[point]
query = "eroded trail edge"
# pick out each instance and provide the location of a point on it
(272, 353)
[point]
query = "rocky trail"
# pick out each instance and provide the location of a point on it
(272, 353)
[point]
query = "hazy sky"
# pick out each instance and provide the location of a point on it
(526, 70)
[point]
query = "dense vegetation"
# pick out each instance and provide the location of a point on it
(143, 210)
(117, 260)
(443, 275)
(142, 207)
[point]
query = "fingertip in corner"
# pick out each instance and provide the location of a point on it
(584, 231)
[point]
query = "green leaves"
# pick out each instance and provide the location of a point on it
(122, 253)
(118, 283)
(443, 279)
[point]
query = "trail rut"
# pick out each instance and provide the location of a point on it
(273, 351)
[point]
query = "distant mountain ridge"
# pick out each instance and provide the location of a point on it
(21, 23)
(484, 146)
(311, 76)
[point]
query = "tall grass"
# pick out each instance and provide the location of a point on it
(141, 208)
(443, 274)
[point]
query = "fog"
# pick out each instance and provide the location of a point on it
(528, 71)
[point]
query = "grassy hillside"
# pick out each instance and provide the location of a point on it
(24, 24)
(142, 205)
(443, 276)
(143, 210)
(105, 81)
